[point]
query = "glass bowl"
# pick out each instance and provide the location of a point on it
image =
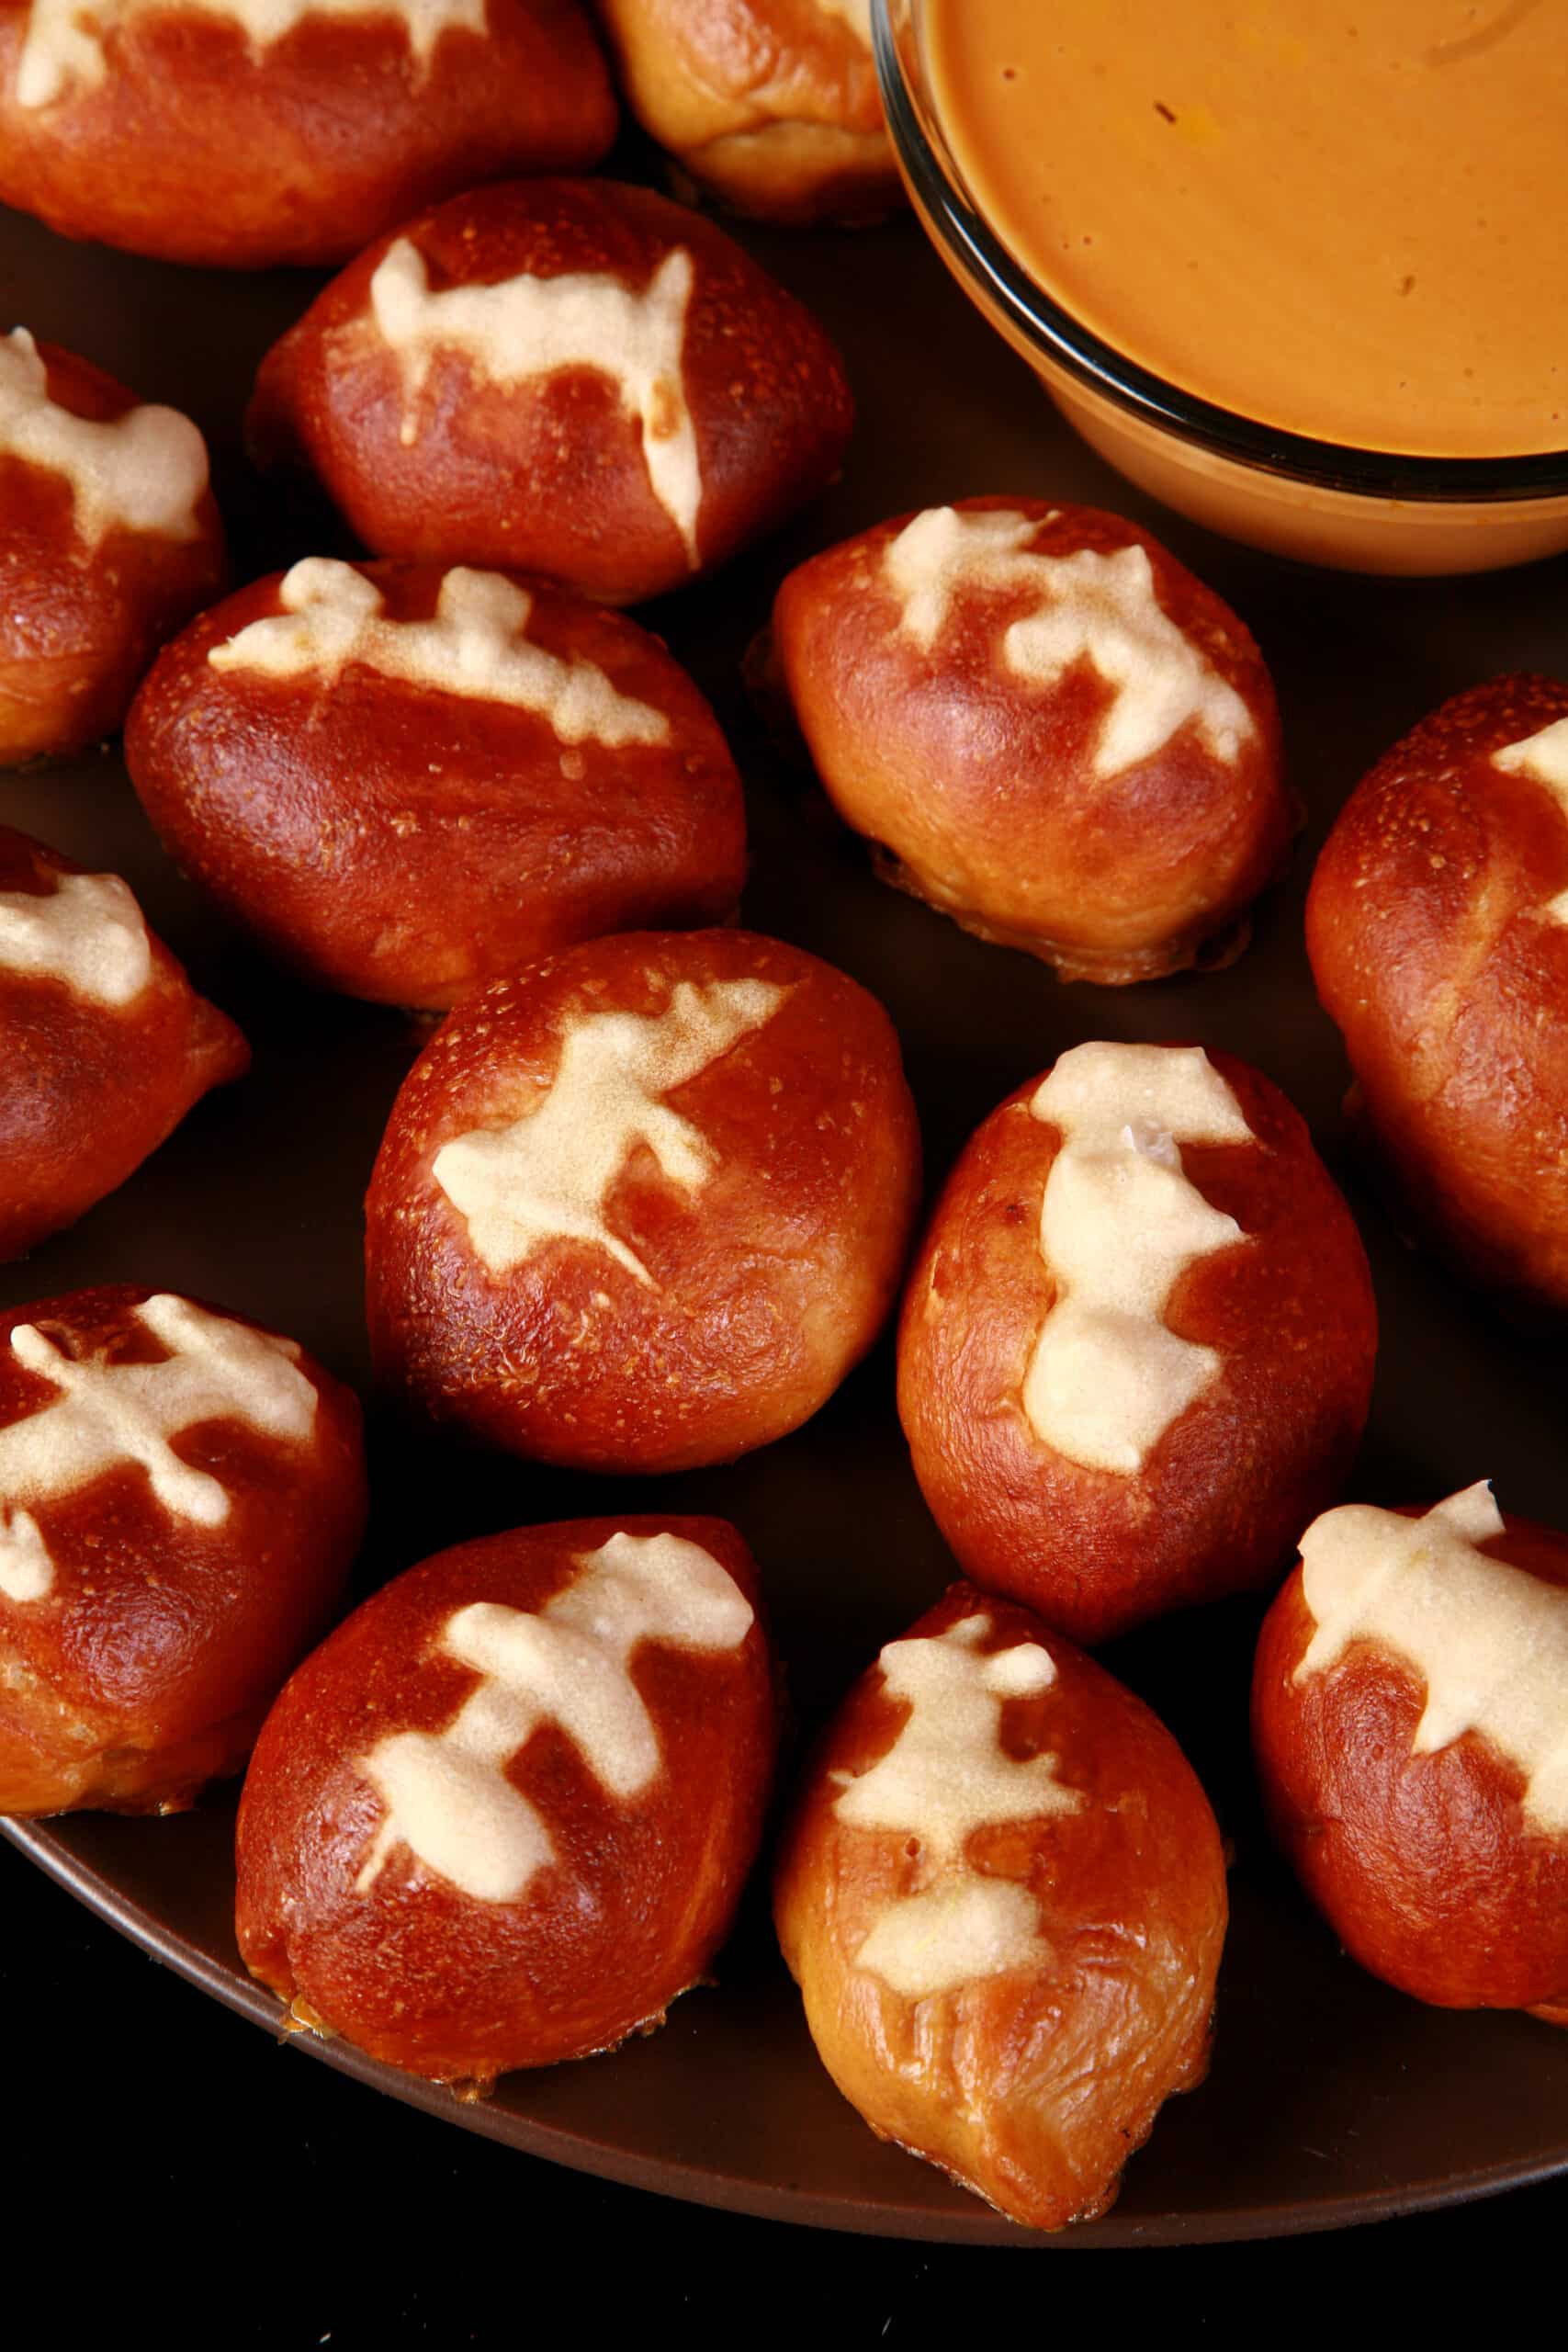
(1360, 510)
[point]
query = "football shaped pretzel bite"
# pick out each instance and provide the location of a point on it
(1050, 731)
(1136, 1347)
(244, 133)
(568, 376)
(1410, 1720)
(503, 1815)
(643, 1207)
(1002, 1893)
(771, 103)
(405, 780)
(1438, 928)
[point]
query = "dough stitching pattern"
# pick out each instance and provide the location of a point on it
(447, 1796)
(524, 327)
(1090, 607)
(945, 1776)
(64, 43)
(1544, 757)
(1120, 1223)
(87, 931)
(475, 646)
(142, 472)
(110, 1414)
(547, 1177)
(1491, 1641)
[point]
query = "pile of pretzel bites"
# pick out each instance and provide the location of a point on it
(653, 1186)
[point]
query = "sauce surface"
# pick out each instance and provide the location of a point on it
(1346, 218)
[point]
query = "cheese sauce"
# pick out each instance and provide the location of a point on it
(1346, 218)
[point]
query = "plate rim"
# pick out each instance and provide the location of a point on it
(40, 1843)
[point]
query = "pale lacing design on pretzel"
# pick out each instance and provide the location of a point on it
(1088, 606)
(946, 1778)
(517, 329)
(548, 1175)
(144, 472)
(106, 1415)
(448, 1801)
(1544, 757)
(63, 48)
(474, 645)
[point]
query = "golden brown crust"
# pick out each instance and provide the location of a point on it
(1223, 1494)
(640, 1889)
(1031, 2087)
(193, 147)
(547, 474)
(406, 844)
(1425, 1866)
(1434, 950)
(79, 623)
(981, 786)
(90, 1089)
(146, 1669)
(766, 1283)
(772, 104)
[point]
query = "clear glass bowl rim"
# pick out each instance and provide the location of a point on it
(1064, 342)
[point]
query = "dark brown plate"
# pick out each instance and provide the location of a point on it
(1331, 2099)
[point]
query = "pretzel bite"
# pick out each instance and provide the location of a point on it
(1002, 1895)
(1410, 1721)
(1437, 928)
(503, 1815)
(772, 104)
(103, 1043)
(568, 377)
(242, 133)
(109, 541)
(1048, 728)
(405, 781)
(644, 1205)
(181, 1494)
(1136, 1347)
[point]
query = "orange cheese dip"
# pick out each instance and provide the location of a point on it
(1347, 218)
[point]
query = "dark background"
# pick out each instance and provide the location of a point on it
(168, 2163)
